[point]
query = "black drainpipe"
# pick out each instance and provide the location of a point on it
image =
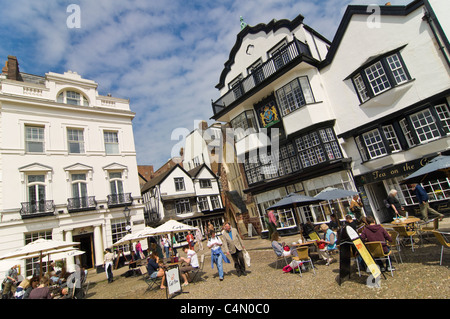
(427, 17)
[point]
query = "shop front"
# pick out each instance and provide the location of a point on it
(290, 220)
(377, 184)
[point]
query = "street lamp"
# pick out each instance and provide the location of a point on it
(127, 214)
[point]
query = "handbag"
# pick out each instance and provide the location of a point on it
(247, 258)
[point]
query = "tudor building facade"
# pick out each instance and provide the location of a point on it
(359, 113)
(68, 164)
(273, 96)
(391, 100)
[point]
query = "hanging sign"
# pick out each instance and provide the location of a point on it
(268, 114)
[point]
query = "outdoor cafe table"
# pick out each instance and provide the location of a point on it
(306, 243)
(407, 221)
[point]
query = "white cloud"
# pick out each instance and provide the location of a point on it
(165, 56)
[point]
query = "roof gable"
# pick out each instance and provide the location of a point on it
(272, 26)
(195, 172)
(158, 180)
(364, 10)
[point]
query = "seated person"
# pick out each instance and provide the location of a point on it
(375, 232)
(153, 267)
(280, 248)
(191, 260)
(42, 291)
(330, 244)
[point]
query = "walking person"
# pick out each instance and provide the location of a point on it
(108, 264)
(233, 245)
(271, 223)
(199, 238)
(190, 240)
(10, 282)
(424, 206)
(166, 244)
(217, 255)
(139, 251)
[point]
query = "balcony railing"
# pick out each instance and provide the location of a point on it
(37, 209)
(279, 61)
(117, 200)
(79, 204)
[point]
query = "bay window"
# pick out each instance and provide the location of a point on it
(294, 95)
(244, 124)
(381, 75)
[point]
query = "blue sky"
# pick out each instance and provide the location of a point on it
(165, 56)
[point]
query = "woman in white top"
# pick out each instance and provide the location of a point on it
(217, 256)
(166, 244)
(108, 264)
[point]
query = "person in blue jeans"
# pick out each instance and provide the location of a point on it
(217, 255)
(424, 206)
(166, 245)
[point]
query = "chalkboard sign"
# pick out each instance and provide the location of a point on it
(173, 281)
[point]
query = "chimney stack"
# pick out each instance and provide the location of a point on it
(203, 125)
(11, 69)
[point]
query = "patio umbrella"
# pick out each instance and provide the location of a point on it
(64, 255)
(132, 237)
(39, 247)
(438, 167)
(293, 200)
(332, 193)
(171, 227)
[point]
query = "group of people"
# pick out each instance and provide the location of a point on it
(231, 245)
(52, 283)
(396, 209)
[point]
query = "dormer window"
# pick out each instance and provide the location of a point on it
(380, 75)
(73, 98)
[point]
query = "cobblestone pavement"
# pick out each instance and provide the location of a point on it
(419, 276)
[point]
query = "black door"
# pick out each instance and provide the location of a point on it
(86, 246)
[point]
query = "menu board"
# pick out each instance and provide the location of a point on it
(173, 281)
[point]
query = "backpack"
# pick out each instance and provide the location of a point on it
(386, 203)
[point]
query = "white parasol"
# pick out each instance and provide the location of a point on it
(40, 247)
(171, 227)
(129, 238)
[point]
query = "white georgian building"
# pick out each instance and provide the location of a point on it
(67, 163)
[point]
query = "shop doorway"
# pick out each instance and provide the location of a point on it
(86, 245)
(377, 193)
